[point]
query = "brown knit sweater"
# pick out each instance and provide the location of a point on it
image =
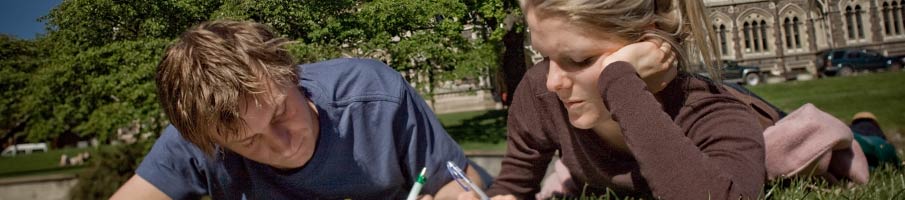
(701, 143)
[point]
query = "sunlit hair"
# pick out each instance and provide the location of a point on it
(682, 23)
(212, 69)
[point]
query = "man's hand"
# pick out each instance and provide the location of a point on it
(653, 60)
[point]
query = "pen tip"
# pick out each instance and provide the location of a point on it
(422, 171)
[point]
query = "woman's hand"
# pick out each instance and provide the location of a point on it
(653, 60)
(472, 196)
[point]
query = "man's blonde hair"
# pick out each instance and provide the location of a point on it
(207, 73)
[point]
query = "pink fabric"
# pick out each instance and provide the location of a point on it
(559, 182)
(810, 142)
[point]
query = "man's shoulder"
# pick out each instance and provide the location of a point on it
(171, 141)
(353, 79)
(344, 67)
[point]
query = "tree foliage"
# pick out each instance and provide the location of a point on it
(92, 73)
(96, 92)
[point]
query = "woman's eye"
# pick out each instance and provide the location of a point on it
(583, 62)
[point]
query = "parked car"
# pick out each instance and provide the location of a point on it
(732, 72)
(29, 148)
(845, 62)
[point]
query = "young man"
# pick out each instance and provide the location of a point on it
(249, 124)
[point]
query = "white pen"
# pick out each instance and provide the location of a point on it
(419, 183)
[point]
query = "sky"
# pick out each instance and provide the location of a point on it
(20, 17)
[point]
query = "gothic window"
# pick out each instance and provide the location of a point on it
(886, 19)
(796, 33)
(755, 36)
(787, 28)
(896, 18)
(899, 12)
(854, 22)
(724, 46)
(763, 34)
(849, 22)
(859, 22)
(747, 32)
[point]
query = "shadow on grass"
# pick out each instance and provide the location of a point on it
(489, 127)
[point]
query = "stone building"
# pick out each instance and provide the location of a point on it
(785, 37)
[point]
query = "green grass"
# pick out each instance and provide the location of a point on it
(880, 93)
(478, 130)
(40, 163)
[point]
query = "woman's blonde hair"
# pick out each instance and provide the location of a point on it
(205, 76)
(682, 23)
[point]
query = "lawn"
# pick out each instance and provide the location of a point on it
(40, 163)
(880, 93)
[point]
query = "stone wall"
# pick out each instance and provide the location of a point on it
(47, 187)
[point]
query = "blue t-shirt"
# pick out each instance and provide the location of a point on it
(376, 134)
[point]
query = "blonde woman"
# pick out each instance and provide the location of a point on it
(621, 110)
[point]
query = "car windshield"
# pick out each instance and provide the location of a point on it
(838, 54)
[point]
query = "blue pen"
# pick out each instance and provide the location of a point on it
(463, 180)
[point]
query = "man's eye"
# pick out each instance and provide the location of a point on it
(584, 62)
(249, 142)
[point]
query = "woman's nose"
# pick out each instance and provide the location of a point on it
(556, 78)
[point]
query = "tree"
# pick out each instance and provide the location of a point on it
(96, 92)
(93, 23)
(20, 59)
(502, 25)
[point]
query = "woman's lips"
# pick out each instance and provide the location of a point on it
(573, 103)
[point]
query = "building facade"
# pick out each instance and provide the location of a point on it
(785, 37)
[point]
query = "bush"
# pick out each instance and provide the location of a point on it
(109, 169)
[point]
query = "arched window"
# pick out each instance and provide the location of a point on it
(897, 18)
(859, 22)
(787, 27)
(755, 36)
(886, 18)
(796, 33)
(849, 22)
(747, 31)
(724, 46)
(763, 34)
(900, 12)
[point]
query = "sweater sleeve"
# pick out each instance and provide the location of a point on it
(529, 151)
(718, 155)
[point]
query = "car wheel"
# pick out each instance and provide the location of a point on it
(895, 67)
(752, 79)
(846, 71)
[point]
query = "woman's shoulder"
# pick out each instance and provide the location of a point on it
(693, 89)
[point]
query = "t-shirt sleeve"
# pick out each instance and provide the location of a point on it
(425, 142)
(175, 167)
